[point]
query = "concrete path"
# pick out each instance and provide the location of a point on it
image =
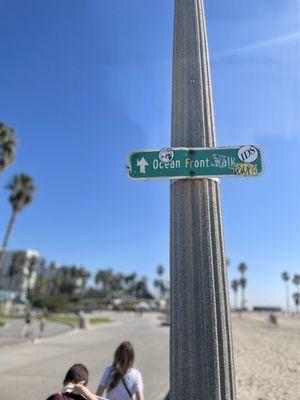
(33, 371)
(12, 333)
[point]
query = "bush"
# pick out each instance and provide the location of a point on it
(53, 304)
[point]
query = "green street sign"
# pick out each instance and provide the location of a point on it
(209, 162)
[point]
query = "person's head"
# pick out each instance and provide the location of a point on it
(123, 361)
(124, 357)
(78, 373)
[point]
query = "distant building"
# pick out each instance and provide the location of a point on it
(19, 271)
(24, 270)
(7, 299)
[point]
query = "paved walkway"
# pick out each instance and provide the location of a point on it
(33, 371)
(12, 333)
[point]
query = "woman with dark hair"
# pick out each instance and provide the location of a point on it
(120, 380)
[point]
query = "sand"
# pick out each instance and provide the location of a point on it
(267, 357)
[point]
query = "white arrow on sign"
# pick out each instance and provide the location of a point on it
(142, 163)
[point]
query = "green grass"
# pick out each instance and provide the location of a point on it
(11, 316)
(95, 320)
(74, 321)
(68, 320)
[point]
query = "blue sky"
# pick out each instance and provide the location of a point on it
(83, 82)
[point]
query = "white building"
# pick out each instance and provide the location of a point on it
(19, 271)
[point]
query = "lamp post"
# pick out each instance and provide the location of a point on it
(201, 359)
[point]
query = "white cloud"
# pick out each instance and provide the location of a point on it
(259, 45)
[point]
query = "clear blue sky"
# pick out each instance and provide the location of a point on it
(83, 82)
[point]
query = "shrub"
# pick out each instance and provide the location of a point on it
(53, 304)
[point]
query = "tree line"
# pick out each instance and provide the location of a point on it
(21, 187)
(241, 284)
(67, 287)
(296, 296)
(69, 281)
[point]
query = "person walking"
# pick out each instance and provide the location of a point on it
(121, 381)
(42, 325)
(27, 329)
(75, 385)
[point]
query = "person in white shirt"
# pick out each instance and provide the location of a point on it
(120, 380)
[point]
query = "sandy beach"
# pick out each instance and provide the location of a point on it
(267, 357)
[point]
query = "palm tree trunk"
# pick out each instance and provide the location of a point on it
(287, 298)
(242, 298)
(297, 306)
(7, 236)
(235, 299)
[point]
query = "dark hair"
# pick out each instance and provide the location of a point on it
(123, 361)
(76, 374)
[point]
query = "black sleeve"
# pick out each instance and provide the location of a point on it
(74, 396)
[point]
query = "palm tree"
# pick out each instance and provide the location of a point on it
(296, 282)
(160, 284)
(130, 281)
(141, 289)
(77, 277)
(285, 276)
(296, 297)
(156, 284)
(104, 277)
(242, 268)
(161, 288)
(117, 284)
(8, 142)
(84, 275)
(235, 286)
(243, 282)
(160, 270)
(66, 280)
(22, 190)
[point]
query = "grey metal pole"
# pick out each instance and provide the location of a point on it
(201, 358)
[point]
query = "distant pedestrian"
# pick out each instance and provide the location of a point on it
(28, 328)
(120, 380)
(273, 319)
(42, 325)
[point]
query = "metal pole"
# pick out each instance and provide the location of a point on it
(201, 346)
